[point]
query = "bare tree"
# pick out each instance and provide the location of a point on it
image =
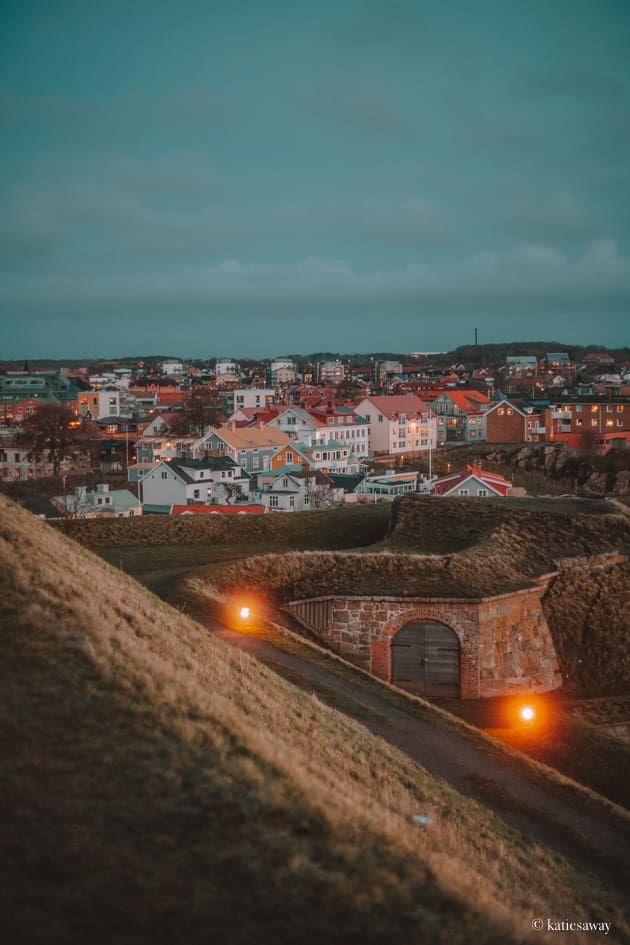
(50, 435)
(202, 410)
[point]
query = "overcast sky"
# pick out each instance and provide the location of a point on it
(258, 178)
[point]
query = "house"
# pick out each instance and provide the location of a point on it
(251, 447)
(507, 422)
(464, 413)
(195, 482)
(323, 424)
(580, 422)
(558, 361)
(15, 412)
(521, 366)
(103, 503)
(332, 456)
(252, 397)
(389, 485)
(98, 403)
(160, 423)
(224, 366)
(472, 481)
(283, 372)
(251, 416)
(295, 489)
(399, 425)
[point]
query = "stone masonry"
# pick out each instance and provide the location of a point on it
(505, 643)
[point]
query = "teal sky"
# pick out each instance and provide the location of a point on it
(259, 178)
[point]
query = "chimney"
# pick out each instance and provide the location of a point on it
(232, 425)
(260, 424)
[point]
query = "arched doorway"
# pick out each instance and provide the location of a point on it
(425, 660)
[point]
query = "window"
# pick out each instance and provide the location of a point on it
(273, 501)
(164, 474)
(195, 493)
(289, 456)
(594, 422)
(292, 501)
(482, 492)
(578, 408)
(285, 482)
(380, 418)
(463, 492)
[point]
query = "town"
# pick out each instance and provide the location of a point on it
(172, 436)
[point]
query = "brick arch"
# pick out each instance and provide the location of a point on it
(381, 649)
(396, 623)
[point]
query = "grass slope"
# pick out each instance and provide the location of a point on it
(159, 787)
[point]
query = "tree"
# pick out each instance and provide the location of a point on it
(51, 435)
(202, 410)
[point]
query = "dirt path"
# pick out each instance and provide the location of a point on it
(475, 770)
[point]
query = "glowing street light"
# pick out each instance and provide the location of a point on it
(244, 612)
(527, 713)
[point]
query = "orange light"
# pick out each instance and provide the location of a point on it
(244, 612)
(527, 713)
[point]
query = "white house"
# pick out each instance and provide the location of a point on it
(294, 489)
(217, 479)
(399, 424)
(99, 403)
(322, 425)
(252, 397)
(103, 503)
(225, 366)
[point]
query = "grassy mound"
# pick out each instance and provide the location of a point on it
(300, 575)
(349, 527)
(159, 786)
(589, 613)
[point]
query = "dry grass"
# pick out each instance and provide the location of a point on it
(337, 528)
(589, 613)
(162, 787)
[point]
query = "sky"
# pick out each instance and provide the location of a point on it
(255, 179)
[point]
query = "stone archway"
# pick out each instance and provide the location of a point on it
(425, 659)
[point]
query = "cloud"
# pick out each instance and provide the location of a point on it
(532, 212)
(528, 276)
(355, 101)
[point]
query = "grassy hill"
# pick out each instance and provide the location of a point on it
(160, 787)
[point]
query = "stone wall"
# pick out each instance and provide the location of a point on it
(505, 643)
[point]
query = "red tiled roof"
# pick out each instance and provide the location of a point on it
(218, 510)
(494, 481)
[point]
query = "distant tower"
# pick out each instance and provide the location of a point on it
(475, 337)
